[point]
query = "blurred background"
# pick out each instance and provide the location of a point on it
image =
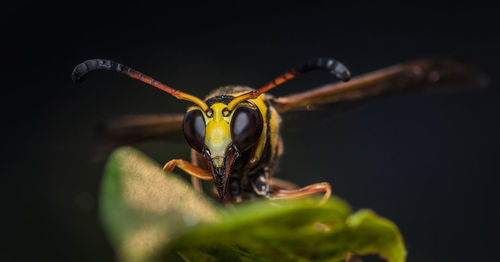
(427, 162)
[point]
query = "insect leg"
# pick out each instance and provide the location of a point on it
(195, 160)
(303, 192)
(195, 171)
(276, 183)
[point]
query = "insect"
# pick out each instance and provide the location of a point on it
(234, 132)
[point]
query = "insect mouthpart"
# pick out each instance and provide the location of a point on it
(220, 167)
(218, 161)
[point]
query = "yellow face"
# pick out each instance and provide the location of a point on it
(218, 133)
(221, 136)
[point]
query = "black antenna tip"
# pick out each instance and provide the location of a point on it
(79, 73)
(342, 73)
(338, 69)
(326, 63)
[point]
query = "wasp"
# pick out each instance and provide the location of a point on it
(234, 132)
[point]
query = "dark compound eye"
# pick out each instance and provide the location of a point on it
(194, 129)
(246, 127)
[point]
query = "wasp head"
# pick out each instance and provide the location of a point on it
(221, 136)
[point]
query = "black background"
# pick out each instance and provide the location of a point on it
(427, 162)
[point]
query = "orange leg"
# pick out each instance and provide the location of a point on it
(303, 192)
(196, 162)
(277, 184)
(195, 171)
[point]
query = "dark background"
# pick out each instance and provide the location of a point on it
(427, 162)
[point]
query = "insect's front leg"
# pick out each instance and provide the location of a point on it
(196, 160)
(203, 174)
(313, 189)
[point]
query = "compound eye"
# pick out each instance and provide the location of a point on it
(246, 127)
(193, 127)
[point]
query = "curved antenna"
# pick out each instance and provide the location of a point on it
(81, 71)
(330, 64)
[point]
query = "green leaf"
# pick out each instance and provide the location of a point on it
(220, 253)
(143, 208)
(151, 215)
(297, 231)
